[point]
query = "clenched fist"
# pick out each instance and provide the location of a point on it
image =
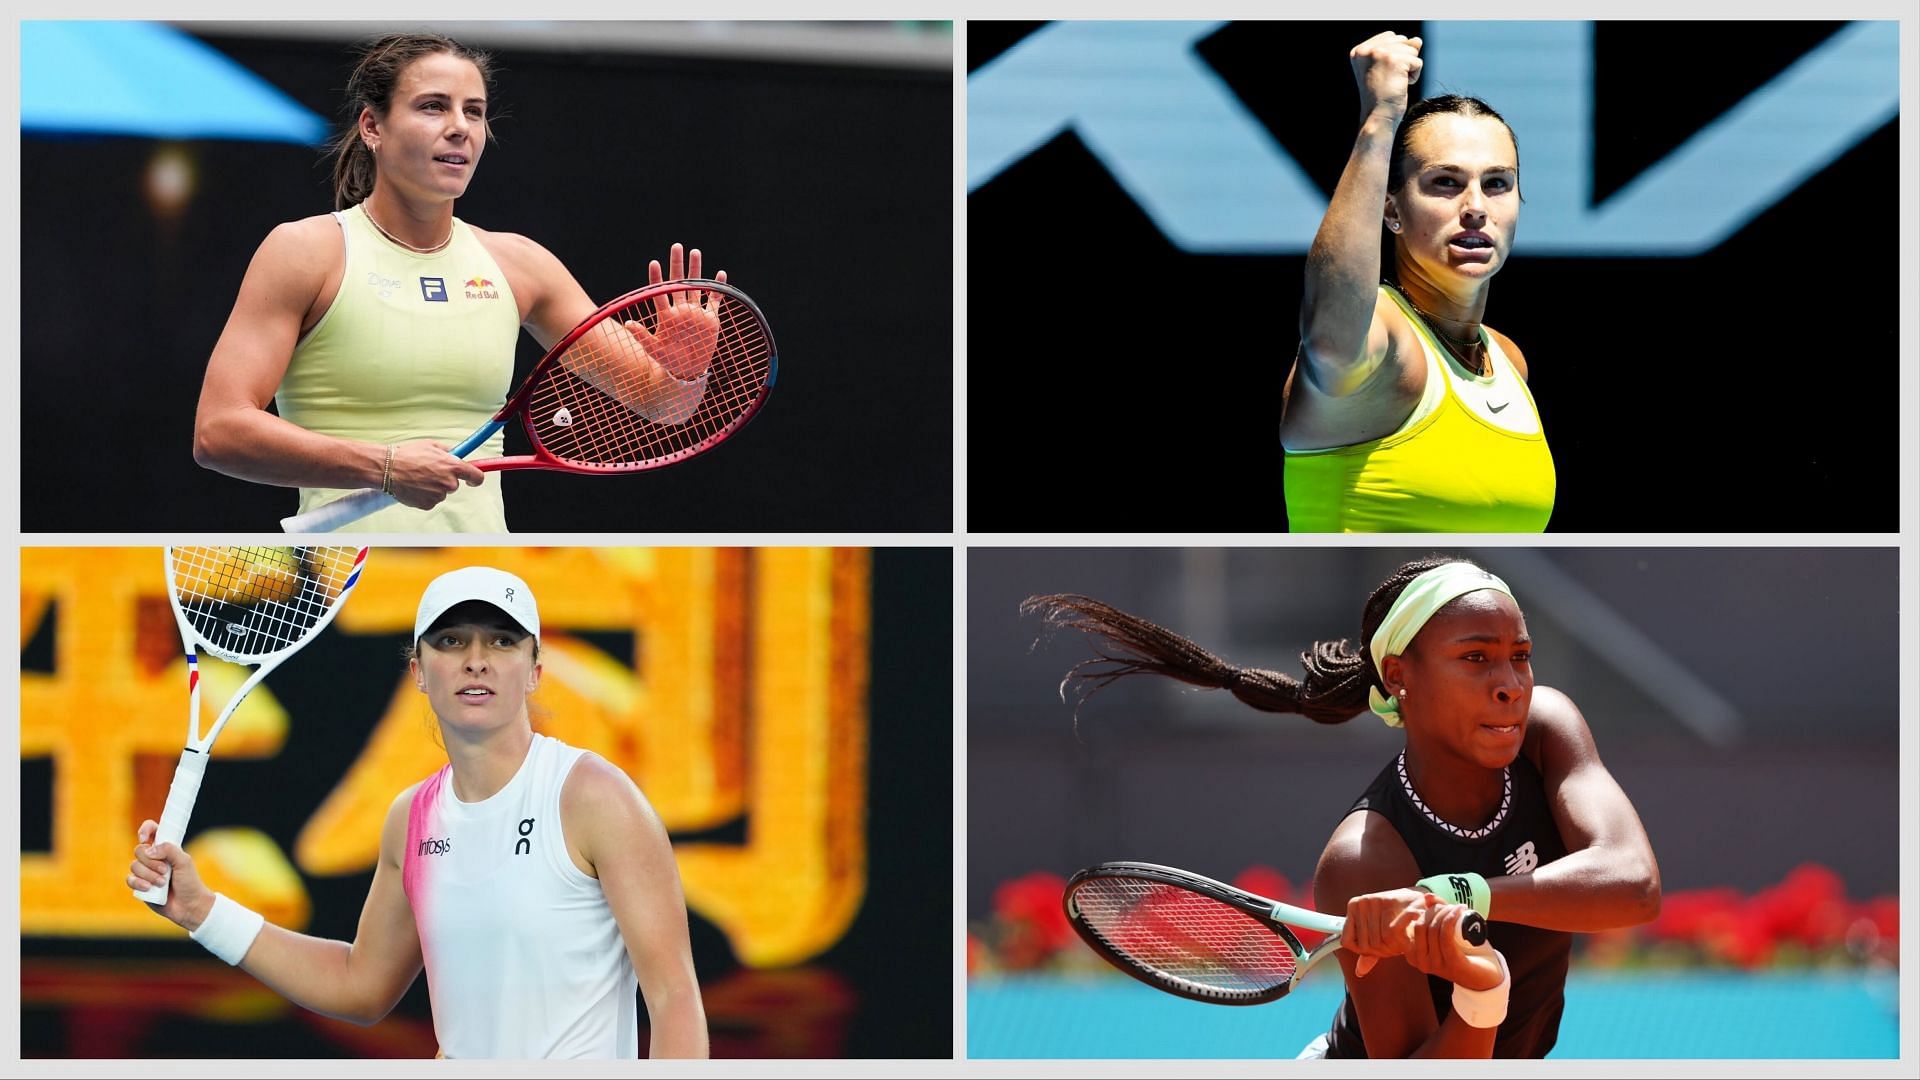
(1386, 66)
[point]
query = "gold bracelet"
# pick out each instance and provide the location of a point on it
(386, 483)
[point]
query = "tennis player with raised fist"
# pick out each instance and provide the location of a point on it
(1404, 411)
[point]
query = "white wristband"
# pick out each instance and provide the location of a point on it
(1484, 1008)
(229, 929)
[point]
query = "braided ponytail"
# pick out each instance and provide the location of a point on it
(1337, 675)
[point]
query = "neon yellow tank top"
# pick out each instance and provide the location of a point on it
(413, 347)
(1451, 467)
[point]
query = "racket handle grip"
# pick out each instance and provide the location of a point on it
(1473, 929)
(173, 820)
(339, 512)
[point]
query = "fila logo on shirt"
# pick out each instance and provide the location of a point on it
(1523, 860)
(523, 845)
(430, 846)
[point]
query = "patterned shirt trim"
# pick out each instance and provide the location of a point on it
(1481, 833)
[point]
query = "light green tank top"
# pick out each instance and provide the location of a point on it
(413, 347)
(1471, 457)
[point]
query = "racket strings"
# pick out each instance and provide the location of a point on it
(251, 602)
(1184, 937)
(606, 403)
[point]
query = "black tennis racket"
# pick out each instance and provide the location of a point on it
(1200, 938)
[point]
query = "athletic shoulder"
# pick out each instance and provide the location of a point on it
(393, 832)
(510, 245)
(304, 236)
(600, 802)
(1392, 370)
(596, 784)
(1514, 355)
(1365, 854)
(296, 257)
(535, 274)
(1552, 710)
(1557, 733)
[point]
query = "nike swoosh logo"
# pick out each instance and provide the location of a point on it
(1497, 408)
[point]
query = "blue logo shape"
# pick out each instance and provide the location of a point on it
(1180, 143)
(433, 288)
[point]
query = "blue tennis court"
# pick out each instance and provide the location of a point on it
(1681, 1014)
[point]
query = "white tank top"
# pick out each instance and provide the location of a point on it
(523, 957)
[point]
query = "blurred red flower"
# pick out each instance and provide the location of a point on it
(1032, 919)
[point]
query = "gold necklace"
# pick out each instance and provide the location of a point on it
(1454, 345)
(441, 246)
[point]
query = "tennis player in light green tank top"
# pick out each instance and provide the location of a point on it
(413, 347)
(385, 333)
(1404, 410)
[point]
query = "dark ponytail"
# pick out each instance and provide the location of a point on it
(1337, 676)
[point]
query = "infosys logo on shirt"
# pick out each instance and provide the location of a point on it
(479, 288)
(430, 846)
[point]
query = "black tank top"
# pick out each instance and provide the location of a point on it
(1519, 839)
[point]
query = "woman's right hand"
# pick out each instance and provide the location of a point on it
(1437, 948)
(1386, 66)
(425, 473)
(188, 899)
(1421, 929)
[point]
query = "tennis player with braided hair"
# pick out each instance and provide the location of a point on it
(1404, 411)
(1499, 800)
(384, 332)
(530, 878)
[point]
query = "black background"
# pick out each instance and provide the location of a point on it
(825, 193)
(1745, 389)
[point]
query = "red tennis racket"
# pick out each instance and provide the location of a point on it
(655, 377)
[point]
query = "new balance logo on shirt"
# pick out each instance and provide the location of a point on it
(1524, 859)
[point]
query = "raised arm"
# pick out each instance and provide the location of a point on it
(660, 374)
(1362, 873)
(234, 434)
(1342, 342)
(360, 981)
(1609, 877)
(623, 841)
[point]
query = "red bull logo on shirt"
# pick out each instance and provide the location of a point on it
(479, 288)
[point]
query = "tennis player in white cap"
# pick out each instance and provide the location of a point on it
(530, 878)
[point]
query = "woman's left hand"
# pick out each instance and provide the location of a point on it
(687, 322)
(1380, 925)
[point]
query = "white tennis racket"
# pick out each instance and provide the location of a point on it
(245, 605)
